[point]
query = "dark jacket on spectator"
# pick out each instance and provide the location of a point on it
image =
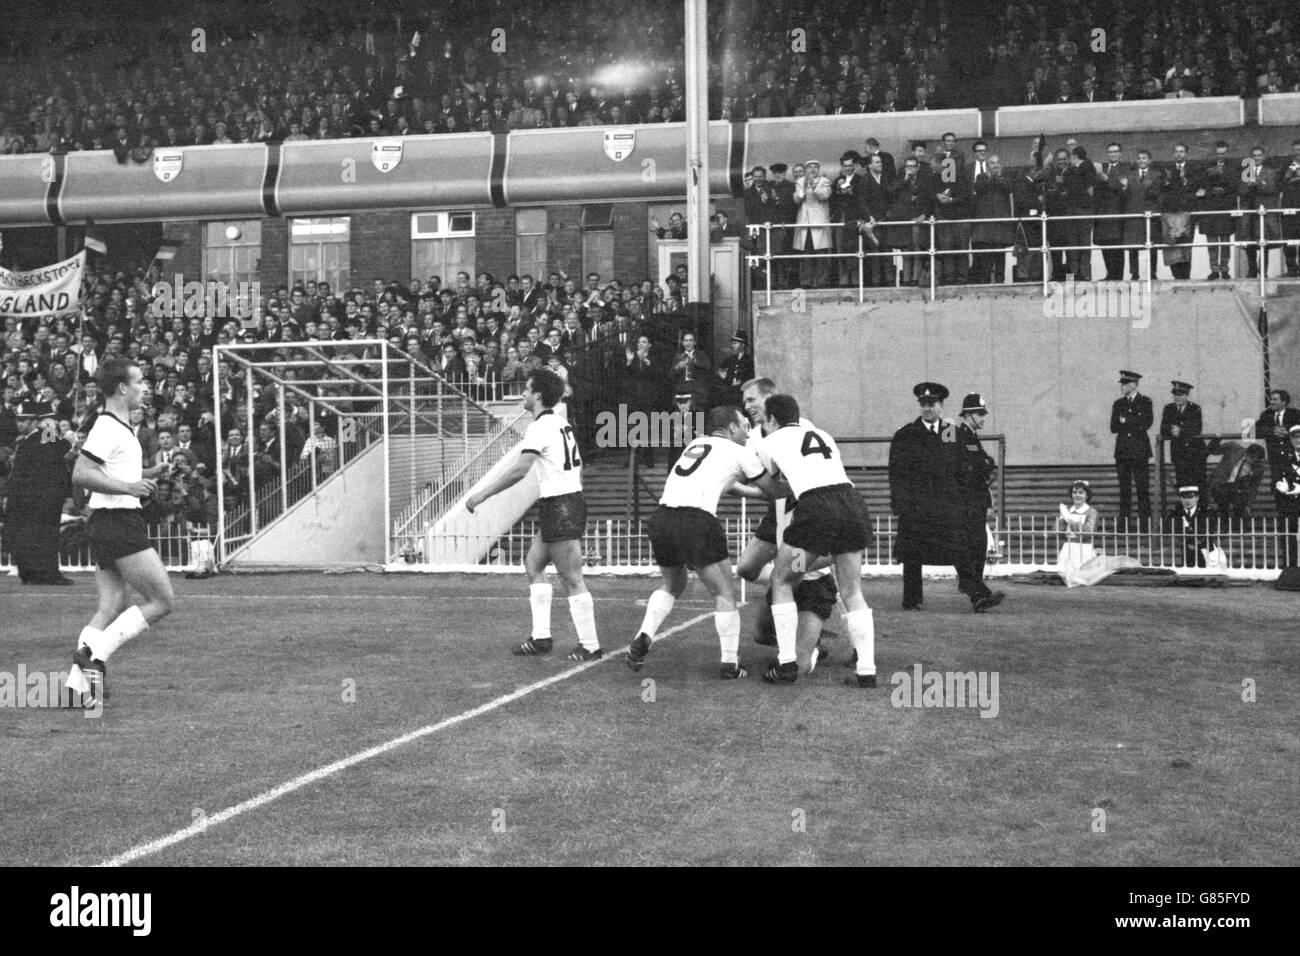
(760, 204)
(877, 197)
(1142, 195)
(1179, 191)
(1219, 180)
(913, 198)
(992, 199)
(1109, 198)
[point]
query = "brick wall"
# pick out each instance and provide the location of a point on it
(381, 243)
(564, 240)
(189, 257)
(631, 222)
(273, 268)
(381, 247)
(494, 250)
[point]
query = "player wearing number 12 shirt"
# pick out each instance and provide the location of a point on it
(831, 519)
(685, 533)
(549, 444)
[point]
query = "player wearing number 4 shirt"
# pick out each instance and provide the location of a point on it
(549, 444)
(111, 467)
(830, 518)
(685, 533)
(815, 595)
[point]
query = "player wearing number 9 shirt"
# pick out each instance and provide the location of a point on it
(685, 533)
(831, 519)
(549, 443)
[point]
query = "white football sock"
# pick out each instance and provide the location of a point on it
(728, 625)
(582, 608)
(77, 680)
(130, 623)
(539, 599)
(862, 630)
(657, 608)
(88, 634)
(786, 619)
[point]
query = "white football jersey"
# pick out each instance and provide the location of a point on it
(706, 466)
(805, 456)
(755, 442)
(551, 439)
(113, 446)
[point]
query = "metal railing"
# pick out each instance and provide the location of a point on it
(1263, 244)
(411, 524)
(171, 541)
(374, 390)
(1212, 445)
(1253, 548)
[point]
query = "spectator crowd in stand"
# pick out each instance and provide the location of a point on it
(613, 342)
(889, 207)
(400, 69)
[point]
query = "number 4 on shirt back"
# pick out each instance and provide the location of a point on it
(813, 445)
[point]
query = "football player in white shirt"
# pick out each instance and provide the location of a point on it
(831, 518)
(816, 595)
(110, 467)
(685, 532)
(549, 443)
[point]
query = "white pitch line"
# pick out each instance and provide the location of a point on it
(297, 783)
(495, 598)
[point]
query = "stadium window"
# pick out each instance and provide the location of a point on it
(598, 239)
(442, 244)
(320, 250)
(231, 250)
(530, 242)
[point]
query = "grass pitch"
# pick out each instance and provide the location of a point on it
(1119, 707)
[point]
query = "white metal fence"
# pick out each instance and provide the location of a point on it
(1254, 547)
(411, 525)
(172, 542)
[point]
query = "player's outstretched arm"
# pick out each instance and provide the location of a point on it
(90, 476)
(773, 487)
(744, 490)
(523, 464)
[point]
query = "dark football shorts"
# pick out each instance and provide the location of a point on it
(766, 530)
(817, 596)
(116, 533)
(686, 536)
(564, 517)
(830, 520)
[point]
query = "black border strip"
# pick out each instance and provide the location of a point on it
(271, 180)
(497, 178)
(54, 190)
(736, 158)
(1250, 111)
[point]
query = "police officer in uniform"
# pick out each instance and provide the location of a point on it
(1180, 422)
(924, 463)
(1130, 417)
(1191, 525)
(1286, 488)
(39, 484)
(975, 501)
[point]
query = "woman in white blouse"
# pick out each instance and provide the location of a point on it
(1079, 562)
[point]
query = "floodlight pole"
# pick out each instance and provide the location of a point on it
(698, 285)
